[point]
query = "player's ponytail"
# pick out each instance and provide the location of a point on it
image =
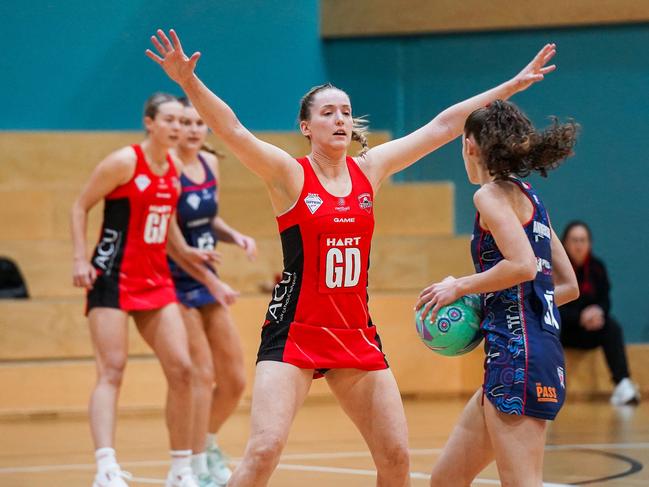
(509, 143)
(207, 147)
(552, 146)
(360, 133)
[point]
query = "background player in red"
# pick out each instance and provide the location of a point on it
(523, 274)
(214, 343)
(128, 274)
(317, 318)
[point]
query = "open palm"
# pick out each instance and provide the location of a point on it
(171, 57)
(536, 69)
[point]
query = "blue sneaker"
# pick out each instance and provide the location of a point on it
(217, 464)
(206, 480)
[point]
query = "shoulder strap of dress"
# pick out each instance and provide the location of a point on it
(139, 159)
(172, 166)
(209, 175)
(356, 173)
(524, 186)
(309, 173)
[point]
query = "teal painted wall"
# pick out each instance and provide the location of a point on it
(602, 81)
(80, 64)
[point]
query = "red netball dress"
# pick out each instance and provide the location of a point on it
(318, 316)
(130, 257)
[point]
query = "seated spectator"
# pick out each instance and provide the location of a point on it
(586, 323)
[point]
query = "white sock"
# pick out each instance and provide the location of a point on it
(180, 459)
(210, 440)
(199, 463)
(105, 459)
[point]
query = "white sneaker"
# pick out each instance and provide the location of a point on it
(217, 464)
(184, 478)
(112, 477)
(626, 392)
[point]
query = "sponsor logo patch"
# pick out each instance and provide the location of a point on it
(106, 250)
(543, 266)
(142, 182)
(194, 201)
(541, 231)
(562, 377)
(340, 205)
(546, 393)
(365, 202)
(313, 202)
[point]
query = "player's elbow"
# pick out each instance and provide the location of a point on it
(573, 291)
(78, 209)
(527, 269)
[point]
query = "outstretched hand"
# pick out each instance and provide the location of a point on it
(223, 293)
(536, 69)
(248, 244)
(171, 57)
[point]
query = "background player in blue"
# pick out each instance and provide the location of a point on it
(214, 342)
(523, 273)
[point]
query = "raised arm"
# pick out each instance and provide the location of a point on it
(270, 163)
(518, 264)
(391, 157)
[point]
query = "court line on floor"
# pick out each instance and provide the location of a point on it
(308, 456)
(350, 471)
(281, 466)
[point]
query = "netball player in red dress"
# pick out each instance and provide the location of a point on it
(317, 321)
(128, 274)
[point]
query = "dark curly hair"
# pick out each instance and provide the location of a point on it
(510, 144)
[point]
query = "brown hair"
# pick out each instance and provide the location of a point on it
(510, 144)
(360, 128)
(152, 104)
(184, 101)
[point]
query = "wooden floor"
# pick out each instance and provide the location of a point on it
(590, 444)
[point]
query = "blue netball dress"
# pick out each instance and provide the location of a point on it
(524, 364)
(197, 207)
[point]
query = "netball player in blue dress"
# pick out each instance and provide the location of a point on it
(214, 342)
(522, 274)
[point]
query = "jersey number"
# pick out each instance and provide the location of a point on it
(155, 228)
(549, 318)
(205, 241)
(342, 267)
